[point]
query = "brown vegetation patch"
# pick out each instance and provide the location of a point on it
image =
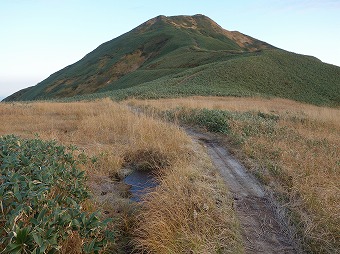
(189, 23)
(189, 212)
(50, 88)
(72, 245)
(126, 64)
(148, 160)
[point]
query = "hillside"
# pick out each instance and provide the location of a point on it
(187, 55)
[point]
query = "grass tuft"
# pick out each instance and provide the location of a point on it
(146, 160)
(196, 215)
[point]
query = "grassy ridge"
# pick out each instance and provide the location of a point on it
(273, 73)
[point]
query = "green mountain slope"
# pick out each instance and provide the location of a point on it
(186, 55)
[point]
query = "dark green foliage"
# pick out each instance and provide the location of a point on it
(211, 120)
(41, 193)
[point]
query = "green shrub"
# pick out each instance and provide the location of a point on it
(41, 193)
(210, 119)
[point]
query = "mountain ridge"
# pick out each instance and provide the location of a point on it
(163, 47)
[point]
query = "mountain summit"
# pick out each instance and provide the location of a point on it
(187, 55)
(202, 26)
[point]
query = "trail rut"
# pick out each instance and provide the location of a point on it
(263, 229)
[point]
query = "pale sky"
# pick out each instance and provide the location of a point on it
(39, 37)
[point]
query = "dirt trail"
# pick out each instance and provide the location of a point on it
(263, 230)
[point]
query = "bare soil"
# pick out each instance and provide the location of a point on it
(264, 229)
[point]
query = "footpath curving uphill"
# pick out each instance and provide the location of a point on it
(264, 229)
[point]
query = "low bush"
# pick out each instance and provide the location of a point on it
(41, 196)
(212, 120)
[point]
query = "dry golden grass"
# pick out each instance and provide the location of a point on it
(196, 215)
(298, 157)
(242, 104)
(72, 245)
(114, 135)
(102, 127)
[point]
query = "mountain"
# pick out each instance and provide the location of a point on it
(187, 55)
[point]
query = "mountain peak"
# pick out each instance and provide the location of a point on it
(180, 21)
(204, 26)
(182, 52)
(150, 46)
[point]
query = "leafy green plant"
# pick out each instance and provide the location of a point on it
(212, 120)
(41, 193)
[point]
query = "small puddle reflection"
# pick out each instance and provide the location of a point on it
(141, 182)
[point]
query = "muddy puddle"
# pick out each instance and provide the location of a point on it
(141, 183)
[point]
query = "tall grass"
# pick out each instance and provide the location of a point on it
(292, 147)
(243, 104)
(112, 136)
(196, 215)
(98, 128)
